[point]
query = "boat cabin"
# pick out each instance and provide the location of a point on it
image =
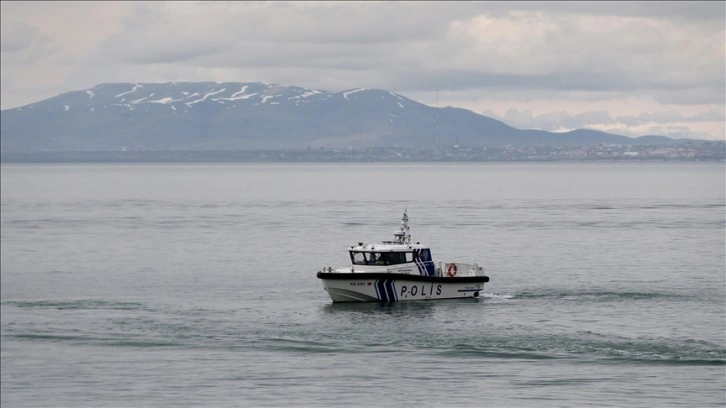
(386, 256)
(395, 256)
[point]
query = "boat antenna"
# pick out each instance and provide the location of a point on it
(402, 236)
(404, 227)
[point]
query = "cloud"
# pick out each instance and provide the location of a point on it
(46, 43)
(591, 52)
(667, 123)
(581, 56)
(24, 44)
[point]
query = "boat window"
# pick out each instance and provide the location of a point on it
(425, 255)
(380, 258)
(375, 258)
(366, 258)
(394, 258)
(357, 258)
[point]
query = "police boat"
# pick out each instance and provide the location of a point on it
(399, 270)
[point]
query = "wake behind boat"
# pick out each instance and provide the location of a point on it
(398, 270)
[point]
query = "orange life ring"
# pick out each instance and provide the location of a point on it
(451, 270)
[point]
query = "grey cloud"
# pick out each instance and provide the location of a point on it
(522, 119)
(702, 11)
(657, 117)
(557, 119)
(24, 44)
(279, 34)
(585, 81)
(672, 116)
(714, 115)
(171, 53)
(692, 96)
(17, 36)
(595, 117)
(354, 23)
(525, 119)
(151, 37)
(9, 44)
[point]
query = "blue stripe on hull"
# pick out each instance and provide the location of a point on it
(392, 296)
(386, 290)
(381, 290)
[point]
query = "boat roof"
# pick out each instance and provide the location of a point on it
(387, 246)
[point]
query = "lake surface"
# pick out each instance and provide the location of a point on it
(194, 285)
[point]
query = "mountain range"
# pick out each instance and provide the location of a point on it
(254, 115)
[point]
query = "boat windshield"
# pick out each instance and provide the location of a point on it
(380, 258)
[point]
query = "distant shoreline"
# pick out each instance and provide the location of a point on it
(705, 152)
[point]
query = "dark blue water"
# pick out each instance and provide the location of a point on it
(194, 285)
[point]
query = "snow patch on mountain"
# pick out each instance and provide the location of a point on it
(207, 95)
(165, 101)
(345, 94)
(240, 92)
(134, 89)
(238, 95)
(310, 93)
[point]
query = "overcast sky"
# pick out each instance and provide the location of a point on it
(631, 68)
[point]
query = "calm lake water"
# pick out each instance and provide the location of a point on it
(194, 285)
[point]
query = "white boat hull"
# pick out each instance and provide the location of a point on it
(389, 287)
